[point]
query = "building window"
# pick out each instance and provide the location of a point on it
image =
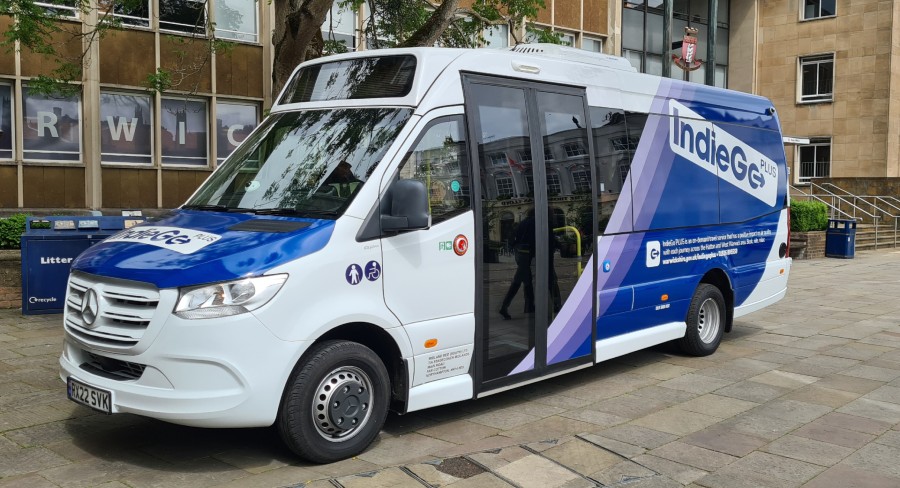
(183, 16)
(815, 159)
(61, 8)
(496, 36)
(548, 154)
(126, 128)
(594, 45)
(6, 118)
(236, 19)
(51, 128)
(567, 39)
(816, 9)
(134, 13)
(498, 159)
(581, 179)
(574, 150)
(234, 122)
(504, 186)
(642, 36)
(817, 78)
(184, 133)
(553, 185)
(340, 26)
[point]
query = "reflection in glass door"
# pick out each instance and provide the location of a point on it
(508, 227)
(570, 216)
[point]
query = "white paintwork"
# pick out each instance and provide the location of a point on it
(621, 345)
(440, 392)
(437, 365)
(772, 286)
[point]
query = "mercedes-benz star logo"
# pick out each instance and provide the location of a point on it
(90, 307)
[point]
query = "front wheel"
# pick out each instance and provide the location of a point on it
(335, 404)
(705, 322)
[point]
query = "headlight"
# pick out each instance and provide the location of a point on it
(229, 298)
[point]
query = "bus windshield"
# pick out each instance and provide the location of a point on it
(308, 163)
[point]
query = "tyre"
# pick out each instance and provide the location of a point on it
(705, 322)
(335, 403)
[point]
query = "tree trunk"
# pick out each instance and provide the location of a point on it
(297, 36)
(431, 31)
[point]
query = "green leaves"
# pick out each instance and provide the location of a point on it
(11, 229)
(808, 216)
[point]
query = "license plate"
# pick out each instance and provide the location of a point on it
(100, 400)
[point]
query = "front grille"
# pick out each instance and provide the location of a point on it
(124, 310)
(113, 369)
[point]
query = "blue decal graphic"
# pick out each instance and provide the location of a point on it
(353, 274)
(229, 255)
(726, 166)
(454, 185)
(373, 270)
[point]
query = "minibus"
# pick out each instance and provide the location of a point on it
(414, 227)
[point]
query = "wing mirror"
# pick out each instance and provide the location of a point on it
(406, 207)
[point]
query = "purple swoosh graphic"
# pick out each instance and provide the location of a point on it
(639, 198)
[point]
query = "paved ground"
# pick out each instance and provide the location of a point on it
(803, 393)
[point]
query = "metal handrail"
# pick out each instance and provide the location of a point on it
(884, 199)
(815, 197)
(842, 199)
(876, 209)
(875, 218)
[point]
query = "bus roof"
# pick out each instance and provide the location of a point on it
(610, 81)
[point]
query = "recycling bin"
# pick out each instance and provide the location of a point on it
(49, 245)
(840, 238)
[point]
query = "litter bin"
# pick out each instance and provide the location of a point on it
(49, 246)
(840, 238)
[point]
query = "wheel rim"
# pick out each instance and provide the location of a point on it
(708, 320)
(343, 404)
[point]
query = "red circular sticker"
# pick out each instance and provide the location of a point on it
(460, 245)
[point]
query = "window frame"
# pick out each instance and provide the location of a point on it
(814, 142)
(465, 190)
(574, 150)
(124, 18)
(203, 25)
(228, 101)
(505, 176)
(817, 60)
(152, 162)
(76, 12)
(60, 162)
(804, 18)
(255, 34)
(13, 126)
(162, 154)
(597, 40)
(328, 30)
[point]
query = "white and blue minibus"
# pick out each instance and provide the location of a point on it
(414, 227)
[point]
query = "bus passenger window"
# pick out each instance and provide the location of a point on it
(439, 160)
(614, 147)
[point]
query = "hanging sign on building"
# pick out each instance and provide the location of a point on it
(688, 60)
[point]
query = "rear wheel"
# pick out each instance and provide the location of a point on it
(335, 404)
(705, 322)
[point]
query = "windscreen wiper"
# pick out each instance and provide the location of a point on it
(296, 213)
(216, 208)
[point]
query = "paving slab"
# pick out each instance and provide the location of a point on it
(804, 392)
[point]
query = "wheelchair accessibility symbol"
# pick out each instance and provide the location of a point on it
(373, 270)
